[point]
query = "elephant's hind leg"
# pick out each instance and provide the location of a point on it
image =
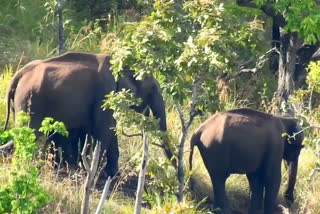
(256, 192)
(220, 198)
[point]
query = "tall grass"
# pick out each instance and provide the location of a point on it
(4, 83)
(66, 191)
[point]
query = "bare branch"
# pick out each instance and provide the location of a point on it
(258, 66)
(131, 135)
(300, 114)
(83, 154)
(95, 158)
(312, 173)
(193, 112)
(246, 3)
(159, 145)
(51, 134)
(259, 63)
(267, 9)
(142, 173)
(178, 106)
(90, 174)
(316, 55)
(103, 196)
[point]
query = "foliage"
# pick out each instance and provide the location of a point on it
(93, 9)
(21, 17)
(48, 125)
(186, 47)
(313, 78)
(301, 16)
(163, 181)
(303, 101)
(122, 104)
(171, 206)
(161, 173)
(23, 194)
(4, 83)
(181, 43)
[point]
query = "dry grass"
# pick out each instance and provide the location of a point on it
(307, 192)
(65, 187)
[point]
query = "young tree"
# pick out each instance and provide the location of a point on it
(296, 28)
(186, 46)
(121, 103)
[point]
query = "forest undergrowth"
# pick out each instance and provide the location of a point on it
(65, 186)
(28, 32)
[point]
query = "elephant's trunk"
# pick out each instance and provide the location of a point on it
(157, 107)
(292, 167)
(190, 156)
(193, 142)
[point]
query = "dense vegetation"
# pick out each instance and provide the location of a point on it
(253, 53)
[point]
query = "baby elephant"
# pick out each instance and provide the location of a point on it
(246, 141)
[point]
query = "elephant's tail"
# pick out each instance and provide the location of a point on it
(8, 147)
(193, 142)
(10, 97)
(7, 111)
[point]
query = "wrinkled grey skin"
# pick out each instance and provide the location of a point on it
(71, 88)
(246, 141)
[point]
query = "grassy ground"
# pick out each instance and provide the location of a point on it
(66, 189)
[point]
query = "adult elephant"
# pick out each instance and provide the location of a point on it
(246, 141)
(71, 88)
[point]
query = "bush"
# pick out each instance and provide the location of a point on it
(23, 194)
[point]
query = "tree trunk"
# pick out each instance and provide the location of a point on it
(60, 29)
(182, 139)
(180, 172)
(287, 61)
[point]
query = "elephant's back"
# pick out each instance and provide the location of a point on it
(68, 73)
(238, 141)
(65, 88)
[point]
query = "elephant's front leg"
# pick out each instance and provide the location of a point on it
(292, 167)
(112, 156)
(220, 198)
(103, 132)
(256, 192)
(272, 185)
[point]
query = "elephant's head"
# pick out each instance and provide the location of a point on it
(149, 91)
(293, 142)
(293, 146)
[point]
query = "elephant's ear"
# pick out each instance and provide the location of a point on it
(127, 82)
